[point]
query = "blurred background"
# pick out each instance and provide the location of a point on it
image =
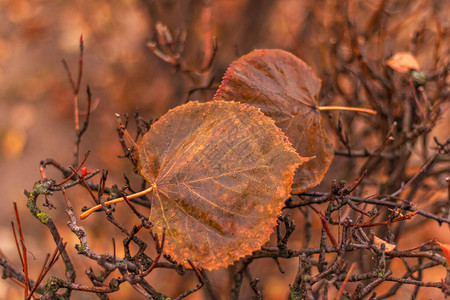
(124, 74)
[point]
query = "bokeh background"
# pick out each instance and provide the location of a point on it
(36, 109)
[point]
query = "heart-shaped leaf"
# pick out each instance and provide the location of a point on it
(285, 89)
(220, 173)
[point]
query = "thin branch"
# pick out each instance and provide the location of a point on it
(320, 197)
(24, 253)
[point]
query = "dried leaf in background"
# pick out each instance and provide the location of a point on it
(377, 241)
(445, 250)
(403, 62)
(221, 172)
(285, 89)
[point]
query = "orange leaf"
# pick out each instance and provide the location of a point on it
(403, 62)
(446, 251)
(221, 172)
(388, 247)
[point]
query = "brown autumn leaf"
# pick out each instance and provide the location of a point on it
(403, 62)
(221, 172)
(285, 89)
